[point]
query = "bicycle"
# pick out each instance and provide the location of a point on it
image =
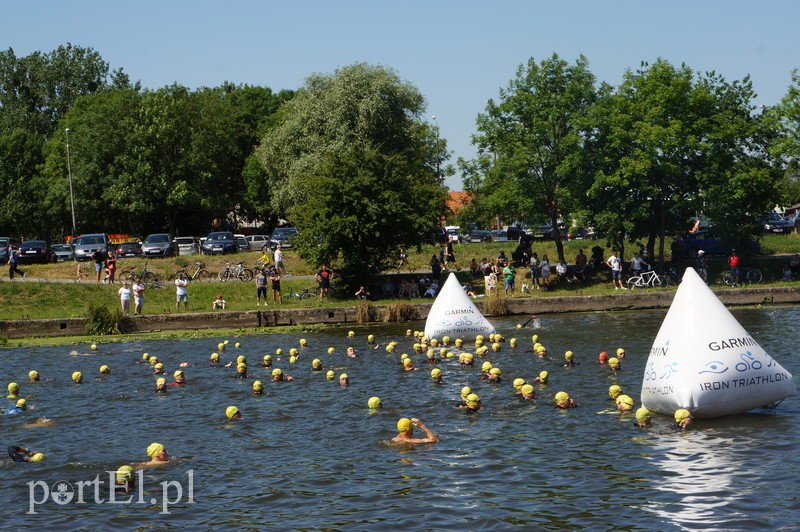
(746, 275)
(239, 272)
(200, 274)
(646, 280)
(305, 293)
(130, 274)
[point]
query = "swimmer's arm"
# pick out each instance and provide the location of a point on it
(430, 437)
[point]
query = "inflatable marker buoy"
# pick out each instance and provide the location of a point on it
(454, 314)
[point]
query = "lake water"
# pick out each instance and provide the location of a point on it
(309, 455)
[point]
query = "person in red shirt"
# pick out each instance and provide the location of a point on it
(733, 264)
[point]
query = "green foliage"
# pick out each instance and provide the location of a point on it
(101, 321)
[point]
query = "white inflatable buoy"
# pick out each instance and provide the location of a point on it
(704, 361)
(454, 314)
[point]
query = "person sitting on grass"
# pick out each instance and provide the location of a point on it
(219, 303)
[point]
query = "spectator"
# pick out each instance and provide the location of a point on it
(362, 293)
(432, 289)
(407, 288)
(387, 288)
(261, 287)
(13, 261)
(561, 271)
(99, 257)
(436, 268)
(536, 269)
(787, 273)
(502, 259)
(219, 303)
(638, 264)
(615, 263)
(111, 267)
(182, 294)
(278, 258)
(580, 267)
(475, 269)
(509, 276)
(544, 266)
(733, 264)
(275, 279)
(324, 276)
(125, 298)
(450, 255)
(138, 296)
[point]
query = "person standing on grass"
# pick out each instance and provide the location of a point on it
(261, 287)
(125, 298)
(615, 263)
(138, 296)
(278, 258)
(13, 261)
(324, 276)
(99, 257)
(509, 275)
(111, 267)
(275, 278)
(182, 294)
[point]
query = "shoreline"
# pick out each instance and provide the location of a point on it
(399, 311)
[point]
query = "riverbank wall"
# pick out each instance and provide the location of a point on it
(398, 310)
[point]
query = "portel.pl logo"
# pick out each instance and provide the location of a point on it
(106, 490)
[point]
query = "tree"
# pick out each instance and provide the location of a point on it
(352, 164)
(785, 146)
(530, 142)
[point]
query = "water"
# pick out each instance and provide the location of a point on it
(310, 455)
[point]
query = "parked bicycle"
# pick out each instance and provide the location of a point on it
(745, 275)
(239, 272)
(647, 279)
(129, 274)
(305, 293)
(200, 274)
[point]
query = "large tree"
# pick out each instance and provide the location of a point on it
(530, 143)
(354, 166)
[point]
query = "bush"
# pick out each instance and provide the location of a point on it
(102, 321)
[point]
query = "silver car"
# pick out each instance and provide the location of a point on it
(187, 245)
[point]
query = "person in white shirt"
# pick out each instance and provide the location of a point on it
(278, 258)
(182, 294)
(138, 297)
(125, 298)
(615, 263)
(637, 264)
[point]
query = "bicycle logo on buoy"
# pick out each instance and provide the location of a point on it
(748, 362)
(463, 322)
(650, 372)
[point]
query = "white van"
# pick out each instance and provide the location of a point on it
(453, 233)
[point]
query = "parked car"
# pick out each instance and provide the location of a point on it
(257, 241)
(480, 235)
(220, 242)
(453, 233)
(499, 235)
(282, 236)
(775, 223)
(159, 245)
(36, 251)
(86, 245)
(5, 242)
(128, 250)
(435, 235)
(187, 245)
(708, 242)
(242, 242)
(63, 252)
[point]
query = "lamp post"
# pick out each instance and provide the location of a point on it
(438, 174)
(71, 195)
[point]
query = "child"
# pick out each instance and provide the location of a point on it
(219, 304)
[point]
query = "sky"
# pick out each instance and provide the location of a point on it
(458, 53)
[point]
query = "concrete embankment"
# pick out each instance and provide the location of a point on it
(395, 311)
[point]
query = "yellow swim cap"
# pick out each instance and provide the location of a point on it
(642, 414)
(154, 449)
(371, 338)
(403, 356)
(486, 366)
(221, 346)
(445, 339)
(330, 375)
(38, 457)
(22, 403)
(625, 400)
(535, 338)
(404, 425)
(495, 371)
(316, 363)
(390, 348)
(620, 351)
(436, 373)
(241, 359)
(374, 402)
(237, 345)
(13, 387)
(496, 347)
(258, 386)
(276, 372)
(77, 376)
(465, 391)
(478, 343)
(178, 373)
(682, 414)
(241, 368)
(124, 474)
(145, 356)
(214, 357)
(226, 342)
(351, 334)
(293, 351)
(513, 342)
(159, 366)
(526, 389)
(407, 363)
(231, 411)
(331, 350)
(459, 342)
(161, 381)
(613, 361)
(568, 355)
(434, 342)
(479, 338)
(303, 342)
(33, 375)
(267, 358)
(105, 369)
(518, 383)
(292, 359)
(562, 397)
(614, 390)
(543, 376)
(343, 376)
(279, 351)
(153, 361)
(472, 399)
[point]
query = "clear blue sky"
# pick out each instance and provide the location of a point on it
(458, 53)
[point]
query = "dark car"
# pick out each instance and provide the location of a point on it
(220, 242)
(63, 251)
(282, 236)
(242, 242)
(159, 245)
(775, 223)
(32, 251)
(128, 250)
(436, 235)
(708, 242)
(480, 235)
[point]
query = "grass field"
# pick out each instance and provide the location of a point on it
(62, 297)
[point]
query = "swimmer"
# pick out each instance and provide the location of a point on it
(105, 370)
(473, 404)
(233, 413)
(465, 391)
(125, 479)
(569, 359)
(77, 377)
(614, 364)
(683, 418)
(467, 359)
(527, 392)
(279, 376)
(158, 455)
(21, 454)
(602, 358)
(19, 407)
(330, 375)
(13, 390)
(258, 388)
(494, 375)
(158, 369)
(614, 391)
(408, 365)
(344, 380)
(541, 378)
(518, 384)
(161, 385)
(624, 403)
(436, 375)
(241, 371)
(351, 352)
(33, 375)
(267, 361)
(180, 379)
(214, 358)
(643, 418)
(405, 429)
(563, 400)
(374, 403)
(620, 353)
(431, 357)
(316, 365)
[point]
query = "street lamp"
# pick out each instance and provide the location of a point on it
(438, 174)
(71, 195)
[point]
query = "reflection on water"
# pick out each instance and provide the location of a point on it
(309, 454)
